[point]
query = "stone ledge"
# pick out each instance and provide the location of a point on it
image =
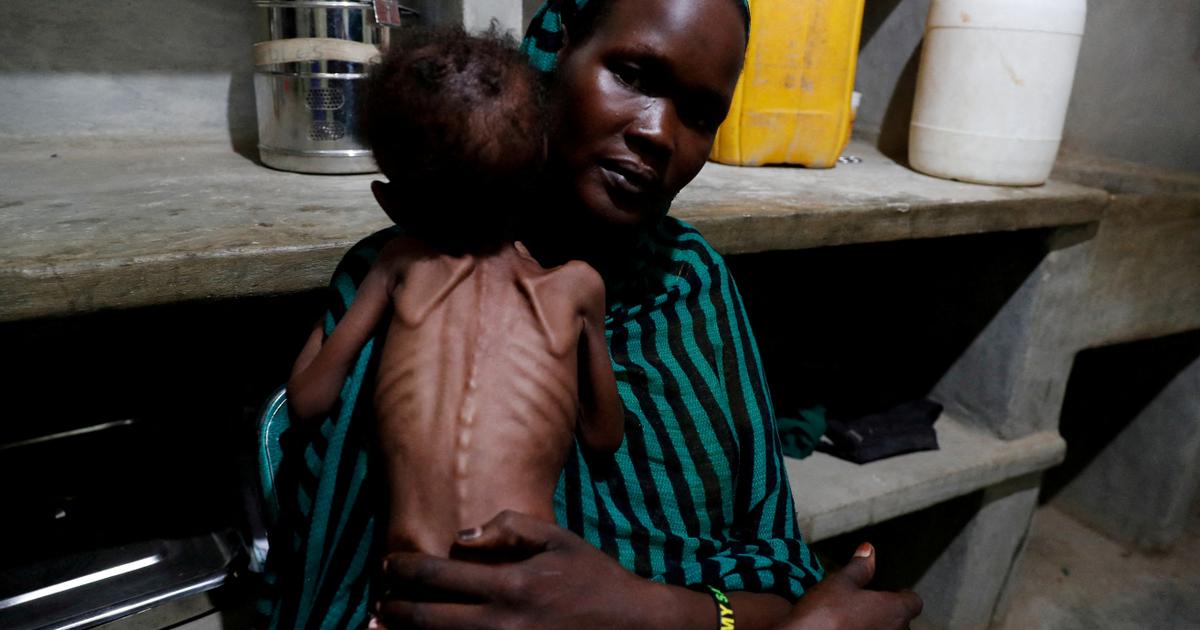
(1124, 178)
(93, 224)
(834, 496)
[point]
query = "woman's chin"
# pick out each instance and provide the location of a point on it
(620, 219)
(614, 210)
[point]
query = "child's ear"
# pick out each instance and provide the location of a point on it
(386, 200)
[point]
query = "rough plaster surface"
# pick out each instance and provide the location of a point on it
(889, 52)
(475, 15)
(1137, 87)
(1136, 276)
(1136, 92)
(508, 15)
(1123, 176)
(78, 103)
(90, 224)
(1141, 487)
(1072, 578)
(1012, 377)
(965, 585)
(122, 36)
(834, 496)
(173, 67)
(113, 68)
(1145, 278)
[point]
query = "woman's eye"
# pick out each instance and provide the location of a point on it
(630, 76)
(701, 121)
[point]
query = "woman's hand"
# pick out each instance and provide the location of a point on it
(518, 571)
(842, 602)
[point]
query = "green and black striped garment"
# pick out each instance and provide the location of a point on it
(698, 494)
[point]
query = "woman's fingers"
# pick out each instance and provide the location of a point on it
(861, 568)
(427, 616)
(511, 534)
(420, 577)
(912, 602)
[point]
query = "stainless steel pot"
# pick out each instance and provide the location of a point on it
(309, 78)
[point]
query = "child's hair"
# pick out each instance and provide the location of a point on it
(457, 124)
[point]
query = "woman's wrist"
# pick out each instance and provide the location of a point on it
(672, 607)
(679, 607)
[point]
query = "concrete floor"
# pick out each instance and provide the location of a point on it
(1072, 577)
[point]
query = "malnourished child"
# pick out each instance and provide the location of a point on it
(491, 363)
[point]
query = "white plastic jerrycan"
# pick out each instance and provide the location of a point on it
(993, 88)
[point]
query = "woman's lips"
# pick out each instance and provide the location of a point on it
(630, 178)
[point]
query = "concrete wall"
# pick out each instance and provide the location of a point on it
(474, 14)
(1137, 87)
(182, 67)
(531, 7)
(179, 67)
(1132, 420)
(170, 67)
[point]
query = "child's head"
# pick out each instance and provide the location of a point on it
(456, 124)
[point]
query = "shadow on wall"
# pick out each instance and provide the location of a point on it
(100, 36)
(909, 545)
(1109, 388)
(240, 114)
(862, 328)
(875, 13)
(893, 130)
(889, 57)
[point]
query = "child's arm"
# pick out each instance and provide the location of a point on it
(321, 370)
(603, 423)
(310, 349)
(562, 299)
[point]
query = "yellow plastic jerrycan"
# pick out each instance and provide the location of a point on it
(792, 102)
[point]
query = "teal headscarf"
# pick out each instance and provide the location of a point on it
(544, 38)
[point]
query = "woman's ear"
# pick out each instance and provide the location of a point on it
(566, 43)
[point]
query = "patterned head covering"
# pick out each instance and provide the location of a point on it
(544, 38)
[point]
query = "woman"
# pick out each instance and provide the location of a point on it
(696, 500)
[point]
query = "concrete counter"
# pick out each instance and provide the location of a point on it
(87, 225)
(834, 496)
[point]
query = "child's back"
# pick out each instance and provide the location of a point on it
(489, 360)
(478, 389)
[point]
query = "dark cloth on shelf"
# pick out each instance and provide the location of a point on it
(800, 435)
(905, 428)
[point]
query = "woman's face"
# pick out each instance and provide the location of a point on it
(640, 100)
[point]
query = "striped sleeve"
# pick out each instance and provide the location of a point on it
(316, 575)
(765, 551)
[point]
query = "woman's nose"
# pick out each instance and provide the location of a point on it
(653, 131)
